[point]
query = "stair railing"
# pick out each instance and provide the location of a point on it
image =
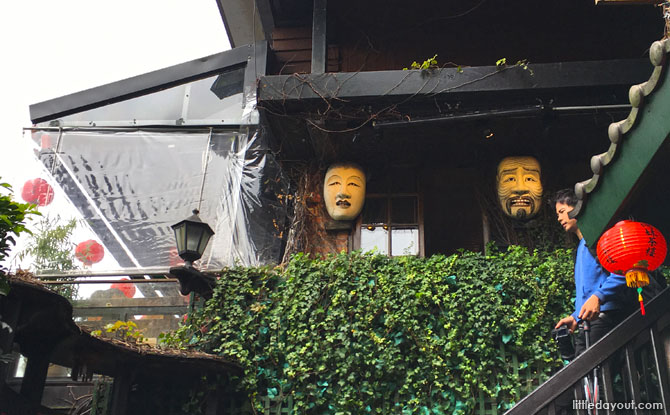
(634, 361)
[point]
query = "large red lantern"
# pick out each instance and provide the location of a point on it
(37, 191)
(89, 252)
(632, 249)
(127, 288)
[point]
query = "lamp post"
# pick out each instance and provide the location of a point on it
(192, 236)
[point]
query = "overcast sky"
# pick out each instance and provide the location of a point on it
(54, 48)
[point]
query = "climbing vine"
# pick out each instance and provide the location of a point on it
(361, 333)
(337, 109)
(122, 330)
(430, 63)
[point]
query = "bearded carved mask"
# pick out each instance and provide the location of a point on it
(519, 187)
(344, 191)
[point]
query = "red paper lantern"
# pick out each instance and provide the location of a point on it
(632, 249)
(127, 288)
(45, 141)
(89, 252)
(37, 191)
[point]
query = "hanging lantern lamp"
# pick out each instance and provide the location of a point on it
(192, 235)
(632, 249)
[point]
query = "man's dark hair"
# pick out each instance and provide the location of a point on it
(565, 196)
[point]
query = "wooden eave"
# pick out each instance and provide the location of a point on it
(44, 325)
(634, 142)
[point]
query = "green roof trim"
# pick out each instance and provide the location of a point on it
(634, 142)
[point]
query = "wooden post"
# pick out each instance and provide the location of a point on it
(121, 392)
(34, 378)
(319, 43)
(10, 308)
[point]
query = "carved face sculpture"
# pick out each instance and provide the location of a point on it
(519, 186)
(344, 191)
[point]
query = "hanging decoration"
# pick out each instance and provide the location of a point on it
(519, 186)
(128, 289)
(344, 190)
(45, 141)
(89, 252)
(37, 191)
(632, 249)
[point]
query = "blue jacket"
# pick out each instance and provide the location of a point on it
(591, 278)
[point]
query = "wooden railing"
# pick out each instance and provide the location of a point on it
(633, 362)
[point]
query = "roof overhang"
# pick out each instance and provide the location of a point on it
(299, 108)
(246, 21)
(635, 144)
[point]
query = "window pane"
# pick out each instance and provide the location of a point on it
(403, 210)
(405, 241)
(374, 211)
(180, 236)
(193, 236)
(377, 237)
(57, 371)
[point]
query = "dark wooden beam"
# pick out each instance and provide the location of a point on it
(386, 86)
(319, 41)
(264, 10)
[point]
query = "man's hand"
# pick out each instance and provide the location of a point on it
(567, 321)
(591, 309)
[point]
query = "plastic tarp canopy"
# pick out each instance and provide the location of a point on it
(220, 99)
(131, 186)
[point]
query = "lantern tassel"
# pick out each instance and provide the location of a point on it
(639, 298)
(637, 277)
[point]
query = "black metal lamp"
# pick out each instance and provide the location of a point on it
(192, 235)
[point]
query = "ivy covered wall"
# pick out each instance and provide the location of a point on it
(361, 333)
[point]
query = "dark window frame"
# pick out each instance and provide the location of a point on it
(388, 197)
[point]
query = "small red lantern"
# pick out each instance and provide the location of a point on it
(632, 249)
(127, 288)
(45, 141)
(89, 252)
(37, 191)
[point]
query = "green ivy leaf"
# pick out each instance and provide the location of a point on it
(272, 393)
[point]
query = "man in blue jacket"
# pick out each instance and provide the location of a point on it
(599, 294)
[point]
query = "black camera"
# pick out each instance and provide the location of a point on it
(564, 340)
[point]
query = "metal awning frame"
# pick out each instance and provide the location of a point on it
(252, 56)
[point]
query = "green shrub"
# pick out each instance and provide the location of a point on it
(12, 223)
(360, 333)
